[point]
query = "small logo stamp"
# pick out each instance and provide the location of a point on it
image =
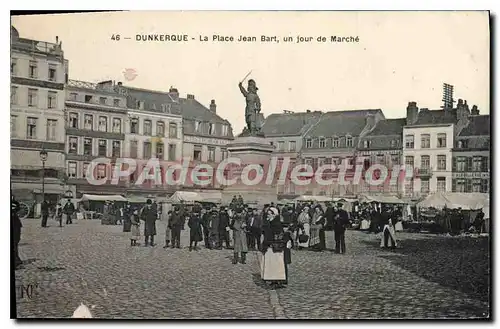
(129, 74)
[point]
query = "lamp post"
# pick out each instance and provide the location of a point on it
(43, 157)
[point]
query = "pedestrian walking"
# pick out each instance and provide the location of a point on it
(194, 223)
(16, 226)
(69, 210)
(135, 228)
(176, 223)
(45, 213)
(223, 228)
(339, 227)
(238, 226)
(149, 216)
(168, 230)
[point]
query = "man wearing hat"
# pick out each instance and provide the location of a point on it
(194, 224)
(339, 227)
(149, 216)
(238, 226)
(176, 222)
(223, 226)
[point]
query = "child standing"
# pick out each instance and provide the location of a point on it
(135, 228)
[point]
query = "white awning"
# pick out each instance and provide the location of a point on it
(95, 197)
(454, 200)
(211, 196)
(315, 198)
(184, 196)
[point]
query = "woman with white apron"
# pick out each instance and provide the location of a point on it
(388, 236)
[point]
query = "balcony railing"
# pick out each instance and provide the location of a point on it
(37, 46)
(424, 172)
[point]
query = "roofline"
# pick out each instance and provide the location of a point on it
(430, 125)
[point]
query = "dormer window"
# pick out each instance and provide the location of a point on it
(335, 142)
(366, 144)
(308, 143)
(348, 141)
(322, 142)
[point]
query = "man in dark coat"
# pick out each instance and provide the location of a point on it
(45, 213)
(149, 216)
(206, 224)
(16, 226)
(223, 227)
(255, 229)
(176, 223)
(69, 210)
(214, 229)
(194, 224)
(329, 217)
(339, 227)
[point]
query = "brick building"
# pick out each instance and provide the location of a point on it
(95, 128)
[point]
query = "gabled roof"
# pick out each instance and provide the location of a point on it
(188, 108)
(289, 124)
(388, 127)
(427, 117)
(479, 125)
(342, 123)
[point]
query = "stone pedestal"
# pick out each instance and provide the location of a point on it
(255, 151)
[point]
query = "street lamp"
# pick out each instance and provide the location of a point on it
(43, 157)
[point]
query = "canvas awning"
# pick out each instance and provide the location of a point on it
(95, 197)
(381, 199)
(454, 200)
(315, 198)
(184, 196)
(211, 196)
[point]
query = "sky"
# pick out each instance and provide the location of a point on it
(400, 56)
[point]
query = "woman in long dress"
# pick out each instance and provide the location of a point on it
(275, 255)
(304, 230)
(135, 228)
(317, 224)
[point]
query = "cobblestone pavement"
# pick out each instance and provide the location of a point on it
(94, 264)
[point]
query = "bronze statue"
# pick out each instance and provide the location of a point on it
(252, 109)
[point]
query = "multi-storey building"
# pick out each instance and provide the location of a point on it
(471, 155)
(286, 132)
(95, 128)
(38, 74)
(333, 140)
(428, 142)
(382, 146)
(153, 131)
(205, 135)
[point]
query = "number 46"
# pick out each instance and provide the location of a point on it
(115, 37)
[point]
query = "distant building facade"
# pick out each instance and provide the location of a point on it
(472, 154)
(153, 130)
(334, 140)
(95, 128)
(38, 73)
(382, 145)
(286, 131)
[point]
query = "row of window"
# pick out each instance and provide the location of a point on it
(425, 141)
(33, 98)
(209, 127)
(197, 154)
(425, 162)
(32, 124)
(88, 147)
(33, 70)
(94, 100)
(88, 122)
(379, 159)
(347, 141)
(458, 185)
(147, 128)
(474, 163)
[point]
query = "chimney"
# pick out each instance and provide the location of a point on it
(462, 110)
(57, 39)
(120, 83)
(308, 111)
(475, 110)
(411, 113)
(213, 106)
(174, 94)
(189, 96)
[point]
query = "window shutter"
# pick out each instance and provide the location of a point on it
(484, 164)
(468, 185)
(469, 164)
(454, 164)
(454, 185)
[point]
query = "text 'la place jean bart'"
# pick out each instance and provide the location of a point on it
(219, 38)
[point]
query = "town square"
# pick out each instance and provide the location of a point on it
(220, 185)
